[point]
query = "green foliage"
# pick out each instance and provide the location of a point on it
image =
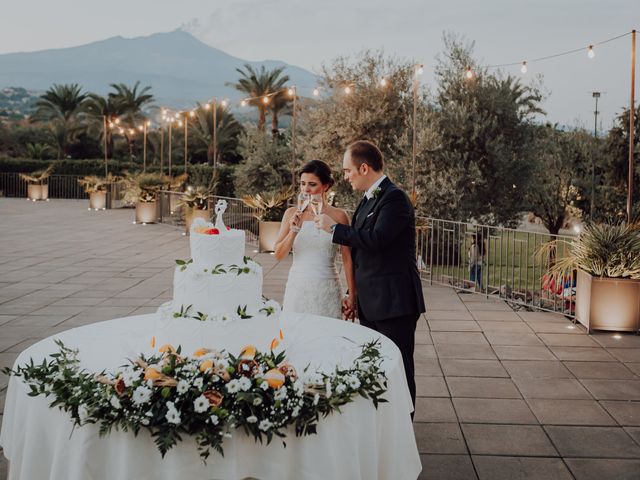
(561, 169)
(203, 397)
(266, 166)
(603, 250)
(486, 125)
(269, 207)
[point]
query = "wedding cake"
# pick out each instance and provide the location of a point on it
(218, 282)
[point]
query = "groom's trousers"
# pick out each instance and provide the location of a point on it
(402, 332)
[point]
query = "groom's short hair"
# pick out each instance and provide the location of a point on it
(364, 151)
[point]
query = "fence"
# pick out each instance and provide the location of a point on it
(510, 268)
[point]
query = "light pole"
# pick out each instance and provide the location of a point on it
(595, 95)
(294, 94)
(631, 126)
(106, 160)
(418, 70)
(170, 135)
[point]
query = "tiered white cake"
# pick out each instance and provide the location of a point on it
(219, 282)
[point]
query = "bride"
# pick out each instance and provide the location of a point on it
(313, 285)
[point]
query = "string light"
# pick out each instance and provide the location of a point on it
(179, 123)
(224, 103)
(523, 69)
(291, 91)
(590, 52)
(316, 92)
(140, 127)
(265, 99)
(469, 73)
(347, 90)
(243, 103)
(192, 114)
(383, 82)
(207, 107)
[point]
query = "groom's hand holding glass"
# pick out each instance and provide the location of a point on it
(324, 222)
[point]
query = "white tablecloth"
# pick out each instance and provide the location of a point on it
(359, 443)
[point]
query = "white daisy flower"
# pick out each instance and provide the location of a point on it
(201, 404)
(173, 416)
(264, 385)
(265, 425)
(233, 386)
(198, 382)
(354, 383)
(244, 384)
(141, 395)
(182, 387)
(214, 419)
(252, 419)
(129, 376)
(340, 388)
(83, 413)
(295, 412)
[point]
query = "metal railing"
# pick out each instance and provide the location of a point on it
(59, 186)
(238, 215)
(511, 267)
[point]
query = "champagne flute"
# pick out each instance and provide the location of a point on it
(303, 201)
(316, 203)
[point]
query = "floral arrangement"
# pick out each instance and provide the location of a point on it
(210, 395)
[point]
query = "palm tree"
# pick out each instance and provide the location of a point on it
(96, 110)
(59, 107)
(257, 84)
(227, 131)
(279, 104)
(129, 102)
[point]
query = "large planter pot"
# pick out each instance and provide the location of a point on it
(608, 303)
(194, 213)
(98, 201)
(146, 212)
(268, 234)
(35, 192)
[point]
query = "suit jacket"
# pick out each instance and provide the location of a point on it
(382, 238)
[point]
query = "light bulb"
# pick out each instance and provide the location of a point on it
(192, 114)
(523, 68)
(148, 123)
(117, 121)
(179, 123)
(347, 89)
(140, 127)
(383, 82)
(265, 100)
(590, 52)
(316, 92)
(243, 103)
(224, 103)
(469, 73)
(291, 91)
(207, 106)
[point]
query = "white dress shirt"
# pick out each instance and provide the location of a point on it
(369, 193)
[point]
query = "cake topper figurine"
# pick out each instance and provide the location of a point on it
(221, 207)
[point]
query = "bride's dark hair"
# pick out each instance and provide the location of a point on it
(321, 170)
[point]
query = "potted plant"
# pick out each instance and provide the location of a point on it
(37, 188)
(175, 186)
(97, 188)
(142, 190)
(606, 258)
(196, 204)
(268, 209)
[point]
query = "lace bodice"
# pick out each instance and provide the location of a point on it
(313, 285)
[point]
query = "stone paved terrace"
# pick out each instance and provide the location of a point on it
(502, 394)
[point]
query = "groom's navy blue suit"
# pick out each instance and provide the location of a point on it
(382, 237)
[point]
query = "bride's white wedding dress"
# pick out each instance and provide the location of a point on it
(313, 285)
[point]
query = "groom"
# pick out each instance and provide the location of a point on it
(382, 238)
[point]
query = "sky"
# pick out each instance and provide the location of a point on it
(309, 33)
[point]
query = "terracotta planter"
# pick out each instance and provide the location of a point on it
(146, 212)
(98, 201)
(268, 234)
(34, 191)
(194, 213)
(608, 303)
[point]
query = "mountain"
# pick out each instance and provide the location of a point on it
(180, 68)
